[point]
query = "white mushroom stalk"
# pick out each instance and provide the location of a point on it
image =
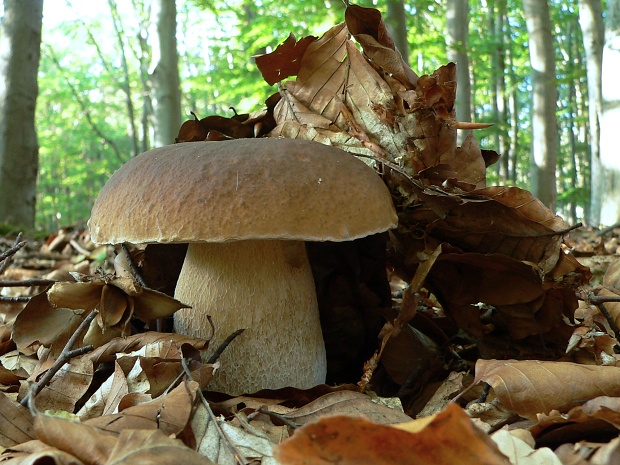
(267, 287)
(245, 207)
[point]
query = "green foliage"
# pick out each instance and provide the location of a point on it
(85, 131)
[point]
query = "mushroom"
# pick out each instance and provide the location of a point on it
(246, 207)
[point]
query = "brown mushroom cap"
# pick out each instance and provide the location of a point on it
(242, 189)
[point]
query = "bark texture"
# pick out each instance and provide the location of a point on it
(456, 40)
(20, 46)
(544, 97)
(593, 32)
(165, 74)
(610, 118)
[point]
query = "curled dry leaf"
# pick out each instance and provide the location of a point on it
(448, 437)
(344, 403)
(117, 300)
(522, 307)
(529, 388)
(39, 322)
(152, 344)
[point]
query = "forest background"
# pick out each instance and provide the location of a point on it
(533, 68)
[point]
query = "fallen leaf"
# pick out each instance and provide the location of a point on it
(448, 437)
(536, 387)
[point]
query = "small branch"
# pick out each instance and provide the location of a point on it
(78, 248)
(602, 232)
(12, 300)
(66, 355)
(216, 355)
(27, 282)
(134, 269)
(7, 256)
(610, 319)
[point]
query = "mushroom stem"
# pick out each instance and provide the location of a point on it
(265, 286)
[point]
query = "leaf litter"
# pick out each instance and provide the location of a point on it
(484, 291)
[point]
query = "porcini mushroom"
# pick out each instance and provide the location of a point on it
(246, 207)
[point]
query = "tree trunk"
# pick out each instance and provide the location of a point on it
(544, 96)
(396, 22)
(593, 32)
(610, 117)
(165, 74)
(20, 50)
(457, 19)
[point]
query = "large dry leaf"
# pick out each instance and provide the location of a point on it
(152, 343)
(106, 399)
(152, 447)
(91, 445)
(370, 31)
(521, 453)
(15, 423)
(169, 413)
(40, 322)
(522, 305)
(344, 403)
(284, 61)
(504, 220)
(530, 388)
(445, 438)
(67, 386)
(251, 438)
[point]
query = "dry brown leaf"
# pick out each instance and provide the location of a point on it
(522, 307)
(445, 438)
(529, 388)
(152, 447)
(67, 386)
(284, 61)
(153, 343)
(345, 403)
(15, 423)
(370, 31)
(37, 452)
(106, 399)
(40, 322)
(90, 445)
(169, 413)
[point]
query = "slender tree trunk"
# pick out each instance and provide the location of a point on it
(20, 50)
(396, 21)
(593, 32)
(457, 18)
(500, 87)
(610, 116)
(544, 97)
(125, 82)
(165, 74)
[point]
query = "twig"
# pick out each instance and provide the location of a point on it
(602, 232)
(239, 458)
(27, 282)
(66, 355)
(610, 319)
(6, 256)
(134, 269)
(216, 355)
(78, 248)
(4, 298)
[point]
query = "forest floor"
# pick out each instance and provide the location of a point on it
(145, 394)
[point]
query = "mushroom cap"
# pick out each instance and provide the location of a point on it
(242, 189)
